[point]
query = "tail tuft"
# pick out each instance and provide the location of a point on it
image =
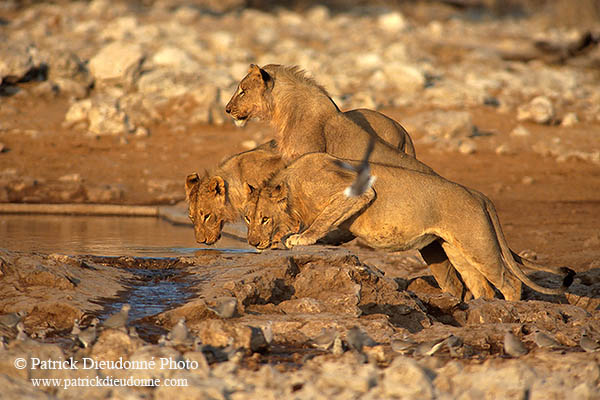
(569, 276)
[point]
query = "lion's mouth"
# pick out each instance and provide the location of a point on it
(240, 121)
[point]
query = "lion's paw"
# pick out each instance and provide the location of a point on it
(297, 240)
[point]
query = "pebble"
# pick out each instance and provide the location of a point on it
(116, 61)
(569, 119)
(467, 147)
(520, 131)
(539, 110)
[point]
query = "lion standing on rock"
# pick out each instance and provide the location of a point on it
(307, 120)
(403, 210)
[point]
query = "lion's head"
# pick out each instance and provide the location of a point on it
(252, 97)
(268, 216)
(207, 206)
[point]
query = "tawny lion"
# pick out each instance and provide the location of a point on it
(216, 198)
(404, 209)
(307, 120)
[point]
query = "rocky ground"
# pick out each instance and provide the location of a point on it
(116, 102)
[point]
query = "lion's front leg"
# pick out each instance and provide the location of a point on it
(339, 209)
(298, 239)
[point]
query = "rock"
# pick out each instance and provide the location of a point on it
(569, 119)
(106, 118)
(441, 124)
(167, 361)
(481, 311)
(315, 299)
(16, 61)
(120, 29)
(539, 110)
(78, 112)
(219, 333)
(392, 22)
(511, 381)
(318, 14)
(113, 344)
(75, 177)
(404, 378)
(503, 149)
(176, 59)
(527, 180)
(163, 82)
(14, 388)
(404, 78)
(196, 388)
(105, 193)
(520, 131)
(467, 147)
(357, 378)
(117, 62)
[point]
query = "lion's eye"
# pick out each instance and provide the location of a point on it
(247, 219)
(206, 217)
(265, 220)
(242, 93)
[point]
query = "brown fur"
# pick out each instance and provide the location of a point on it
(216, 198)
(404, 210)
(307, 120)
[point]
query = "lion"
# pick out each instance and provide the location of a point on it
(403, 210)
(307, 120)
(219, 197)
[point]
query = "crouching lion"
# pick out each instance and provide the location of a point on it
(403, 210)
(307, 120)
(218, 197)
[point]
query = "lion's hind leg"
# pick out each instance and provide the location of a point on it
(442, 270)
(487, 260)
(471, 276)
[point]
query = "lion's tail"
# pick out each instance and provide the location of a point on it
(513, 260)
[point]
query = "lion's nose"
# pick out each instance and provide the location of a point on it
(253, 242)
(228, 109)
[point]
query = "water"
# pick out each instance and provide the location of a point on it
(105, 236)
(155, 245)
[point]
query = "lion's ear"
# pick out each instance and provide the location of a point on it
(249, 189)
(263, 75)
(191, 181)
(279, 193)
(216, 185)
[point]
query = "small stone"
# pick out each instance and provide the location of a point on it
(16, 60)
(520, 131)
(405, 378)
(116, 61)
(249, 144)
(467, 147)
(569, 119)
(318, 14)
(392, 22)
(539, 110)
(503, 149)
(70, 178)
(527, 180)
(142, 132)
(78, 112)
(177, 59)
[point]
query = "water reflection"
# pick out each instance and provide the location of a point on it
(106, 236)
